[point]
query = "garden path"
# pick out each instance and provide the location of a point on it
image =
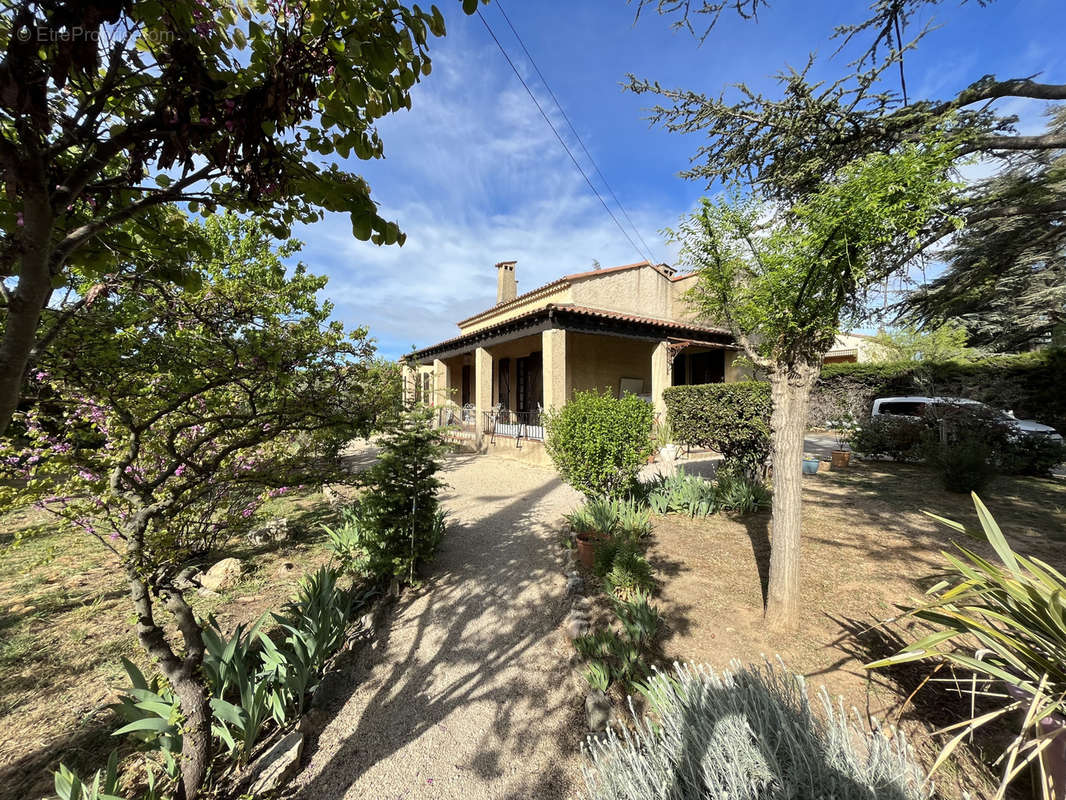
(466, 694)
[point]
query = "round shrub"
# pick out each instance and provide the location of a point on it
(599, 442)
(732, 418)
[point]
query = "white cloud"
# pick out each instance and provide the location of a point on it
(474, 176)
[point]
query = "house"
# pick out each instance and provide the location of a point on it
(853, 348)
(621, 329)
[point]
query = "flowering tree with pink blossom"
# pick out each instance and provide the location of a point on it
(165, 417)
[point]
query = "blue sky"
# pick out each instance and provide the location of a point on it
(474, 175)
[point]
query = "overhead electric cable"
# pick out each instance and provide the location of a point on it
(573, 130)
(547, 119)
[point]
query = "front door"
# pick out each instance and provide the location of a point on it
(467, 399)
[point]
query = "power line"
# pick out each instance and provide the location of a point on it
(560, 138)
(573, 130)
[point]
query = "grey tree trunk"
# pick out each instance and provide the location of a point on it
(791, 393)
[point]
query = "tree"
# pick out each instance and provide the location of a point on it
(164, 417)
(944, 343)
(784, 279)
(1005, 280)
(111, 112)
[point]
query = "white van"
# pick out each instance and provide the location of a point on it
(915, 406)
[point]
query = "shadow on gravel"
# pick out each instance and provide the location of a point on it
(477, 618)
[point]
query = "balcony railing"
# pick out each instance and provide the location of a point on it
(514, 424)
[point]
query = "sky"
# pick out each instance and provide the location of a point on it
(474, 175)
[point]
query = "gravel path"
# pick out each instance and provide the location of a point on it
(468, 694)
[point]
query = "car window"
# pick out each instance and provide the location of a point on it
(906, 408)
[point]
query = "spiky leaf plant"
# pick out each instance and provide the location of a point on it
(1006, 624)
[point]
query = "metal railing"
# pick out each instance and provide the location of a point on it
(514, 424)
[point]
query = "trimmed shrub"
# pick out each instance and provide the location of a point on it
(963, 466)
(1033, 385)
(750, 734)
(898, 438)
(599, 442)
(732, 418)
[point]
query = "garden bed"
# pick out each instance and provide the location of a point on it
(66, 620)
(867, 546)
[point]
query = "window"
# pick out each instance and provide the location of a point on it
(908, 408)
(504, 394)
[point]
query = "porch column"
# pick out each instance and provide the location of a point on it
(442, 388)
(556, 370)
(660, 376)
(482, 388)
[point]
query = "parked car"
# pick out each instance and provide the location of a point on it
(915, 406)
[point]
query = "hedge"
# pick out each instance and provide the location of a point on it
(1033, 385)
(732, 418)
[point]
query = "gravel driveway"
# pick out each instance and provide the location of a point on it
(467, 694)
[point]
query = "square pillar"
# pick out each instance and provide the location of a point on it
(556, 369)
(442, 387)
(482, 388)
(660, 376)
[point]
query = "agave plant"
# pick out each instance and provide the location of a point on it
(1016, 612)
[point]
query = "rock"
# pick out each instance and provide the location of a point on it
(329, 691)
(578, 616)
(577, 628)
(275, 530)
(223, 575)
(277, 766)
(330, 495)
(597, 710)
(581, 604)
(285, 569)
(575, 586)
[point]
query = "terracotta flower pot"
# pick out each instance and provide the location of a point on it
(586, 549)
(841, 458)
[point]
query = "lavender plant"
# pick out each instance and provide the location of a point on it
(748, 734)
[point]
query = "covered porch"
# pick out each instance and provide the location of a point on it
(492, 386)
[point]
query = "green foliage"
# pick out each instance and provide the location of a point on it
(963, 465)
(618, 656)
(397, 525)
(344, 541)
(607, 517)
(748, 734)
(1016, 612)
(599, 442)
(732, 490)
(629, 575)
(103, 785)
(152, 715)
(898, 438)
(598, 675)
(946, 342)
(737, 491)
(1031, 384)
(731, 418)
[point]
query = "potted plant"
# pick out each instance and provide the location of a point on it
(592, 523)
(810, 464)
(664, 441)
(845, 428)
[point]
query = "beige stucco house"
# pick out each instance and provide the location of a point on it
(621, 329)
(853, 348)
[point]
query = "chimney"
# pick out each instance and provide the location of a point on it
(506, 285)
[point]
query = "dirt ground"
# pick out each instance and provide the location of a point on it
(866, 547)
(66, 620)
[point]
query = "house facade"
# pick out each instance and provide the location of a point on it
(853, 348)
(620, 329)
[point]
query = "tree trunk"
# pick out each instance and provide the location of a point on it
(183, 673)
(791, 391)
(26, 303)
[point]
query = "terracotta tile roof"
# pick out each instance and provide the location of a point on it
(582, 311)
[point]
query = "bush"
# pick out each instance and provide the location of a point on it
(963, 466)
(599, 442)
(750, 734)
(738, 491)
(618, 656)
(731, 418)
(733, 490)
(397, 524)
(898, 438)
(1033, 385)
